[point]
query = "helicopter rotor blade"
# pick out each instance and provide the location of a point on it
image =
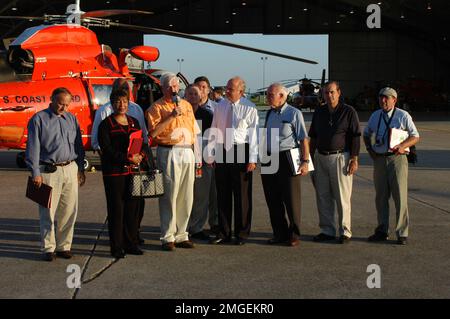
(22, 18)
(202, 39)
(108, 13)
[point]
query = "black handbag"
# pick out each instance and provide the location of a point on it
(412, 155)
(147, 184)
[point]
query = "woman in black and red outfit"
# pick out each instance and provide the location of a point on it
(114, 136)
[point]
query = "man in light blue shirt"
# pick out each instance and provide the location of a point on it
(204, 86)
(134, 110)
(285, 130)
(55, 156)
(390, 163)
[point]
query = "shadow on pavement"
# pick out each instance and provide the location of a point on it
(20, 238)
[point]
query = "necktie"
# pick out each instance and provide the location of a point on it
(228, 135)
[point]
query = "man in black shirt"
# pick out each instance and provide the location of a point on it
(335, 134)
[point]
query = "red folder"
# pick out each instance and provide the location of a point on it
(41, 195)
(136, 141)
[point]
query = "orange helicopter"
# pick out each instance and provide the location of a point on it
(65, 52)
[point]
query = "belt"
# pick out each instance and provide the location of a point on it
(56, 164)
(331, 152)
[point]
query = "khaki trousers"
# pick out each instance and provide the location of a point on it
(64, 208)
(178, 166)
(390, 176)
(333, 189)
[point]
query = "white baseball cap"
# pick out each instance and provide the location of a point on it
(387, 91)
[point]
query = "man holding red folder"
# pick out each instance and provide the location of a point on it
(55, 156)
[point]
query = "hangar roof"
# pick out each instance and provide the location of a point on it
(425, 19)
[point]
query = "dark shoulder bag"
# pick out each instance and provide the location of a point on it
(412, 155)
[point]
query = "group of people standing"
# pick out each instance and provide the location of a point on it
(207, 152)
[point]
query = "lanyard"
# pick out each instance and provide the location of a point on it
(387, 123)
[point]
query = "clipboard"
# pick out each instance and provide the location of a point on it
(41, 195)
(397, 136)
(295, 161)
(136, 141)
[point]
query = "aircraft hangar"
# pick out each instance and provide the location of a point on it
(406, 45)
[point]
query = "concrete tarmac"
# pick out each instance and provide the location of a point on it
(254, 270)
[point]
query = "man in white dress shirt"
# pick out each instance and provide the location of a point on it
(233, 146)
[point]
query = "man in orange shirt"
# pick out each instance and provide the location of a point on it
(172, 125)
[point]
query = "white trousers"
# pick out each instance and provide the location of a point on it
(178, 166)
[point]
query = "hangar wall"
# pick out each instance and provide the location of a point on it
(375, 59)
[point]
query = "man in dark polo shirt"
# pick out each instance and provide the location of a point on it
(335, 134)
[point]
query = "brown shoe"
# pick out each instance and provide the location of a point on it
(48, 256)
(293, 242)
(185, 244)
(168, 246)
(67, 254)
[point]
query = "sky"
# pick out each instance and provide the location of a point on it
(220, 63)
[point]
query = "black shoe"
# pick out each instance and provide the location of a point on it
(378, 236)
(239, 241)
(118, 254)
(215, 229)
(48, 256)
(344, 239)
(66, 254)
(323, 237)
(201, 235)
(401, 240)
(219, 240)
(276, 241)
(134, 251)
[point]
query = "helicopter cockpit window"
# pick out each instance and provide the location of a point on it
(101, 93)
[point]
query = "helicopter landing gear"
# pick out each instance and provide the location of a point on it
(91, 161)
(20, 160)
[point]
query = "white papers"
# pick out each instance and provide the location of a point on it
(295, 161)
(397, 136)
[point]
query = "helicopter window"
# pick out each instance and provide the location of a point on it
(101, 93)
(22, 61)
(147, 91)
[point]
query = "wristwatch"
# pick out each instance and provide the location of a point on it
(305, 161)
